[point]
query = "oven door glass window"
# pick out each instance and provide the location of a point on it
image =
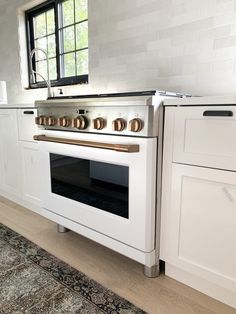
(101, 185)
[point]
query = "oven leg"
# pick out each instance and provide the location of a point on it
(152, 272)
(62, 229)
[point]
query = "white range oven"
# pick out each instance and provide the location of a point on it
(99, 158)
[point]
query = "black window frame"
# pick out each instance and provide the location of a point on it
(29, 15)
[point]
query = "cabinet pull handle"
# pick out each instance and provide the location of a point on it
(218, 113)
(28, 112)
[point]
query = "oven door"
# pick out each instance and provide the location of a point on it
(108, 191)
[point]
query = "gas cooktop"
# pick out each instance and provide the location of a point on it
(132, 113)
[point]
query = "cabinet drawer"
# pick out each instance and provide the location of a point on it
(205, 136)
(26, 122)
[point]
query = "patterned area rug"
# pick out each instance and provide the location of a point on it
(34, 281)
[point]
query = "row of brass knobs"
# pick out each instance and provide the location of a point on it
(81, 123)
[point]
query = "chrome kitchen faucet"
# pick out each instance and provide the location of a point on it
(47, 81)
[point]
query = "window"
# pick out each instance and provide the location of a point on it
(60, 28)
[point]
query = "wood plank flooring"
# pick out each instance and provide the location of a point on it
(161, 295)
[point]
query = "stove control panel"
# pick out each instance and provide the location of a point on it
(122, 120)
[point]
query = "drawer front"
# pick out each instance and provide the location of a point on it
(26, 122)
(205, 136)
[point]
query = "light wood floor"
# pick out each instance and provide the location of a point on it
(161, 295)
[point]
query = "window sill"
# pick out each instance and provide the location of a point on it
(77, 80)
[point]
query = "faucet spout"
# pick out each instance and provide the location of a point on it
(47, 81)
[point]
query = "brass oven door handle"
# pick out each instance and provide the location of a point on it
(125, 148)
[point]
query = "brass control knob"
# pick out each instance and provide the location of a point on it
(50, 121)
(64, 121)
(135, 125)
(80, 122)
(99, 123)
(118, 125)
(41, 120)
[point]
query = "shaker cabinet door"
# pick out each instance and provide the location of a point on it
(9, 151)
(202, 228)
(31, 173)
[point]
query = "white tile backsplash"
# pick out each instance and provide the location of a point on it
(182, 45)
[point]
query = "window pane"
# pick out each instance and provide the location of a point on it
(42, 44)
(41, 68)
(51, 46)
(40, 25)
(53, 69)
(82, 35)
(69, 64)
(71, 36)
(50, 22)
(69, 39)
(68, 12)
(81, 10)
(82, 62)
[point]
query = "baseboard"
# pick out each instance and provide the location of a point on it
(22, 202)
(219, 293)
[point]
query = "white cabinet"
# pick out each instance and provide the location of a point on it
(26, 124)
(198, 223)
(204, 223)
(205, 136)
(31, 173)
(9, 152)
(30, 163)
(19, 157)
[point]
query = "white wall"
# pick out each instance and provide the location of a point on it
(178, 45)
